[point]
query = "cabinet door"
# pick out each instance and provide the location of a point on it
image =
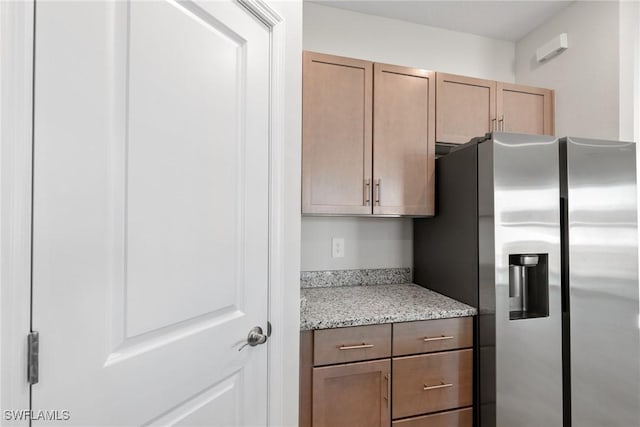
(336, 135)
(353, 395)
(404, 140)
(466, 108)
(524, 109)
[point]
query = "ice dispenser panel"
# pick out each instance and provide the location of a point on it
(528, 286)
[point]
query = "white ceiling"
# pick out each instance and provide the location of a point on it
(503, 20)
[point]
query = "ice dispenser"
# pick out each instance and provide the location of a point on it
(528, 286)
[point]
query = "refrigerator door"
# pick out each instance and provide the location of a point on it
(519, 240)
(600, 187)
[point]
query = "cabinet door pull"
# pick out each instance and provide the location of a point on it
(378, 185)
(386, 397)
(367, 192)
(501, 123)
(354, 347)
(442, 338)
(493, 125)
(435, 387)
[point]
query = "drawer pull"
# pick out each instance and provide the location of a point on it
(442, 338)
(435, 387)
(355, 347)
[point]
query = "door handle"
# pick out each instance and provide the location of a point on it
(255, 337)
(367, 192)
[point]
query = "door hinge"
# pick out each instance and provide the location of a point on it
(33, 350)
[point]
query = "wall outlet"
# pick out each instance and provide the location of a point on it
(337, 247)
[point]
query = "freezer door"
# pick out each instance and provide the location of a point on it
(601, 194)
(519, 241)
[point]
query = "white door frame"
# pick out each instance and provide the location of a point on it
(16, 74)
(16, 89)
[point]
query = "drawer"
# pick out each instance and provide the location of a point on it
(344, 345)
(432, 335)
(457, 418)
(432, 382)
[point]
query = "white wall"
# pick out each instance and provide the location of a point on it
(636, 75)
(586, 77)
(387, 242)
(627, 39)
(369, 243)
(358, 35)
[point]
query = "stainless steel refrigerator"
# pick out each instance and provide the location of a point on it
(540, 234)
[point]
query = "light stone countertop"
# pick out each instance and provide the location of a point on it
(341, 306)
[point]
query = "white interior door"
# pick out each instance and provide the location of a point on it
(150, 238)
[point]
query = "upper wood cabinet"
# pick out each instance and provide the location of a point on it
(369, 131)
(364, 154)
(468, 107)
(403, 140)
(525, 109)
(336, 133)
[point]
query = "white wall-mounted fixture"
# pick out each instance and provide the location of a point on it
(337, 247)
(552, 48)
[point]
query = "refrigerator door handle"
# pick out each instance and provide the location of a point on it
(564, 255)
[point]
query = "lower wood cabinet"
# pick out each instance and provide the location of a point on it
(411, 374)
(352, 395)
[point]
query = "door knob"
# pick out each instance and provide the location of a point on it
(255, 337)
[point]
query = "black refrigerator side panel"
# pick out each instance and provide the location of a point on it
(445, 247)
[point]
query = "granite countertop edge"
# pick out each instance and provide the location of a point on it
(338, 307)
